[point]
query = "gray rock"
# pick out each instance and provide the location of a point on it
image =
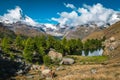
(20, 72)
(47, 73)
(67, 61)
(93, 71)
(29, 76)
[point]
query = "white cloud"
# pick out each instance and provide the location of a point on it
(69, 6)
(15, 15)
(66, 18)
(82, 10)
(87, 14)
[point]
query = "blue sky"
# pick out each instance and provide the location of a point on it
(42, 10)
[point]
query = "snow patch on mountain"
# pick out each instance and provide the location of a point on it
(50, 26)
(30, 21)
(16, 15)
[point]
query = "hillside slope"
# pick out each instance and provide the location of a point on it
(113, 30)
(112, 48)
(4, 31)
(19, 29)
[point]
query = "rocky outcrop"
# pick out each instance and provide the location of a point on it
(110, 45)
(55, 55)
(81, 32)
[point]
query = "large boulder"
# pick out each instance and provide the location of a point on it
(67, 61)
(55, 55)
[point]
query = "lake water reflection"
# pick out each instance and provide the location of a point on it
(97, 52)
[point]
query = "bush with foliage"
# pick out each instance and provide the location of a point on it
(47, 60)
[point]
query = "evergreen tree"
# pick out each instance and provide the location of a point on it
(65, 45)
(28, 50)
(5, 45)
(41, 51)
(72, 46)
(50, 42)
(58, 46)
(18, 42)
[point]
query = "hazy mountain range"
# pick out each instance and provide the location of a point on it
(20, 23)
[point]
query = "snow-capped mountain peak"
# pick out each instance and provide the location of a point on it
(16, 15)
(29, 21)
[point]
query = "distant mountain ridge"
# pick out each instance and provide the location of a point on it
(22, 29)
(23, 24)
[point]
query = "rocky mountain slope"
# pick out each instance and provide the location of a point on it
(113, 30)
(82, 31)
(22, 29)
(4, 31)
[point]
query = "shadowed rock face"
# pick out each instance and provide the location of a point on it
(10, 68)
(7, 68)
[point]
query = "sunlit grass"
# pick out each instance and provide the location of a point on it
(89, 59)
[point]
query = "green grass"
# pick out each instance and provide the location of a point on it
(89, 59)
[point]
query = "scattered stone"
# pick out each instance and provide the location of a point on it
(112, 39)
(20, 72)
(67, 61)
(47, 73)
(60, 68)
(29, 76)
(35, 67)
(93, 71)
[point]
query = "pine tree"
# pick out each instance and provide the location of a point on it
(41, 51)
(50, 42)
(28, 50)
(18, 42)
(5, 45)
(65, 46)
